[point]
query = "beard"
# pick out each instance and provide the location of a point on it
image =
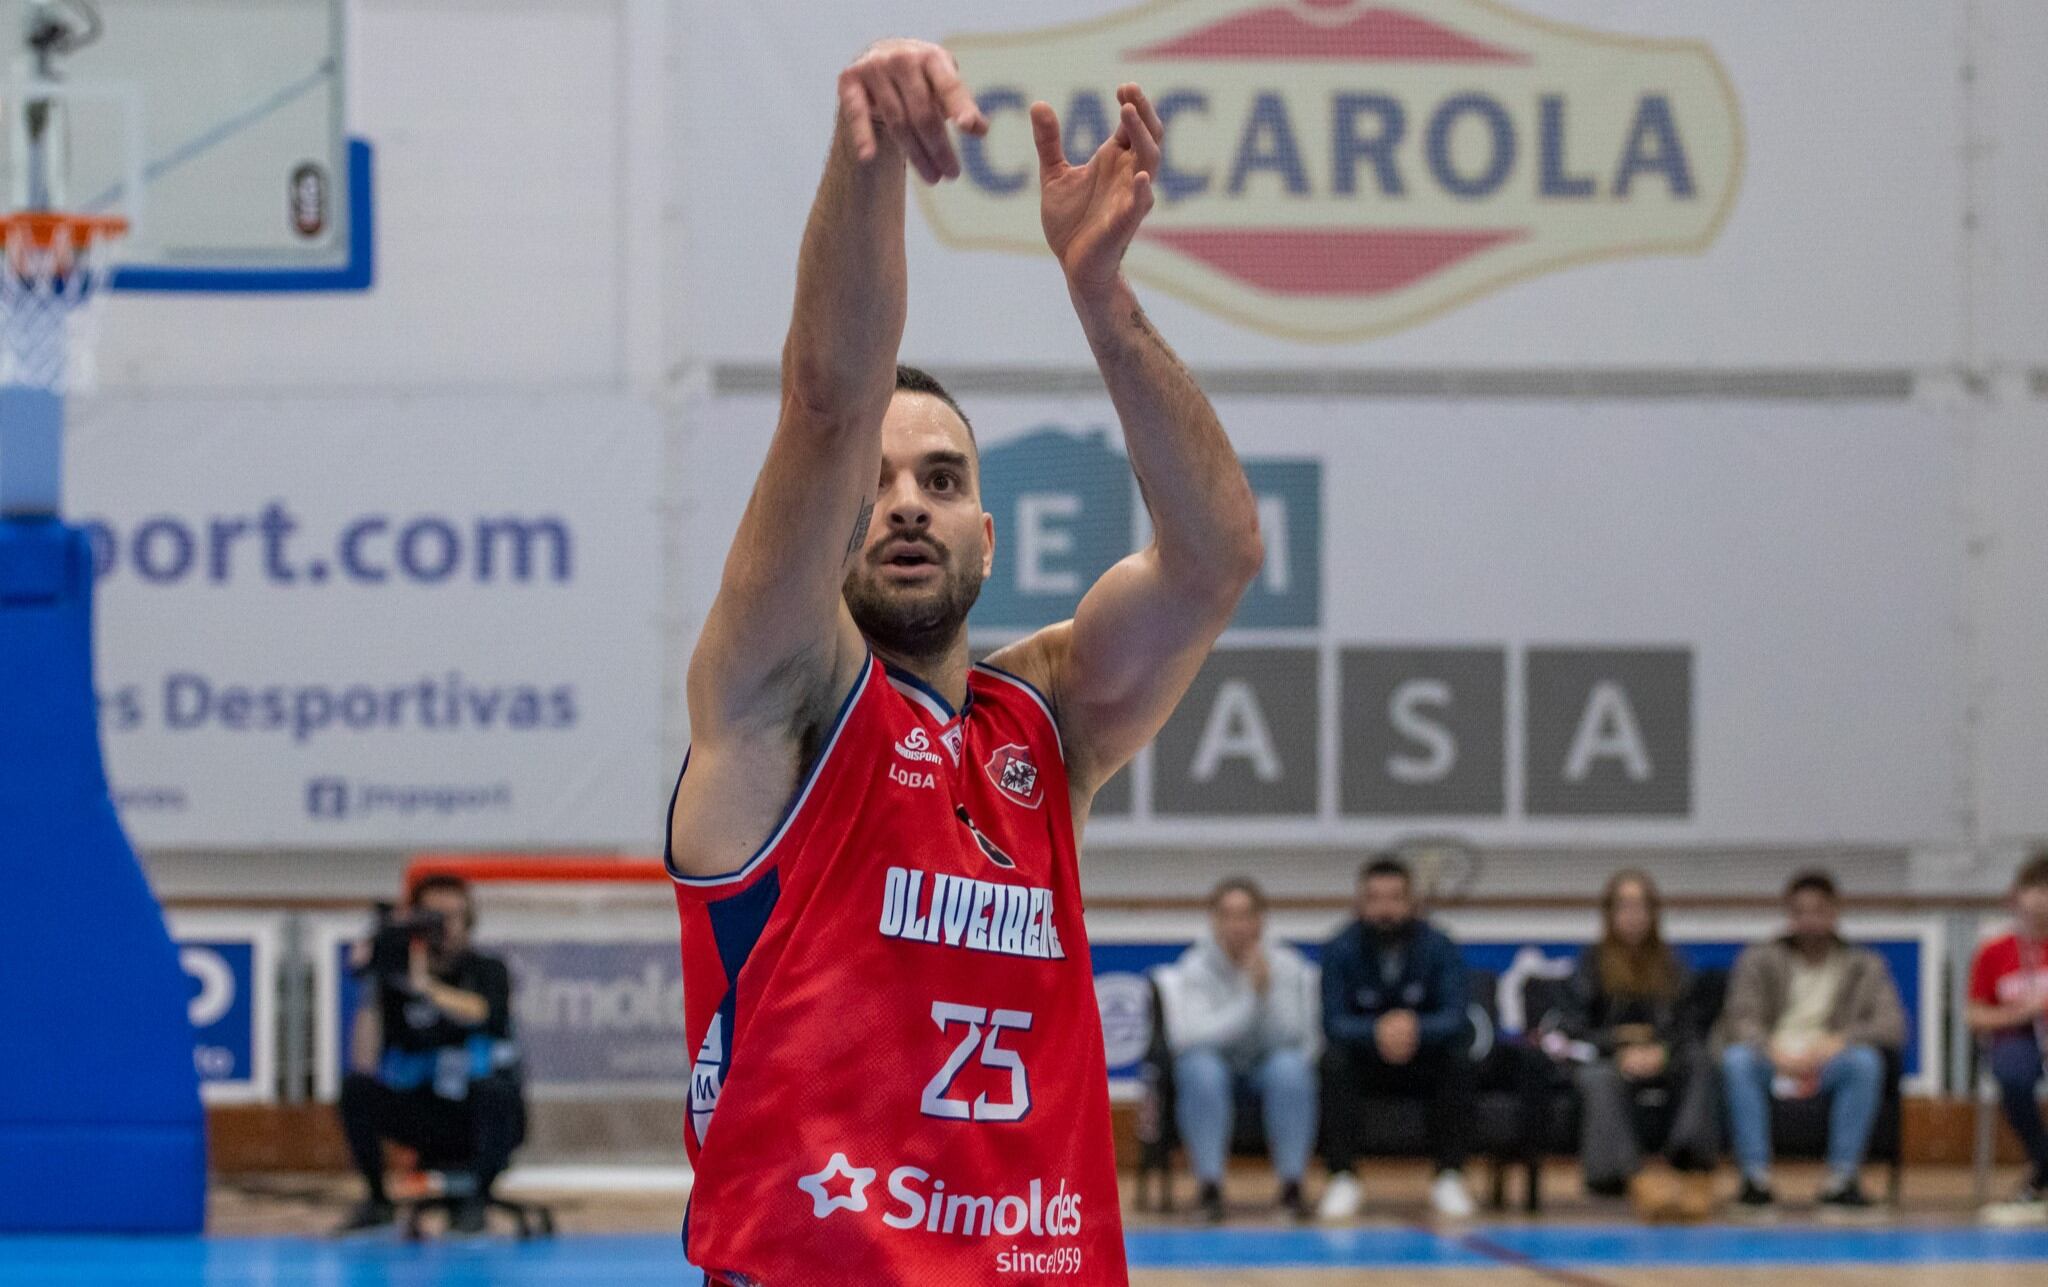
(912, 620)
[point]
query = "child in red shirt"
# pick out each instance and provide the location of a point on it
(2009, 1013)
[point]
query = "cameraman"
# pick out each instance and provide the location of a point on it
(438, 1018)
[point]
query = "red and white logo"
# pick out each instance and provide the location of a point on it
(916, 745)
(1339, 169)
(1015, 774)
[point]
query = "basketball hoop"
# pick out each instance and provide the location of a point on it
(55, 272)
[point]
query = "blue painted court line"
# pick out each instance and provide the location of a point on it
(1295, 1249)
(631, 1261)
(1592, 1246)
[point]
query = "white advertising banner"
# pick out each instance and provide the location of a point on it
(340, 622)
(1387, 182)
(1537, 623)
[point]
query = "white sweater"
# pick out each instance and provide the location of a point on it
(1208, 1003)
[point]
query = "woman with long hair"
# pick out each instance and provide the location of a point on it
(1632, 1029)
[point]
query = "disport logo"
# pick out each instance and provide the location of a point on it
(1337, 169)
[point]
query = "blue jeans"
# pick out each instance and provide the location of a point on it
(1853, 1079)
(1205, 1092)
(2015, 1060)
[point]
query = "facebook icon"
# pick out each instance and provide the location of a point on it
(326, 797)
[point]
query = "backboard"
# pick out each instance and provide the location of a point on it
(218, 127)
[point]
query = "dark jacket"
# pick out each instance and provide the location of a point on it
(1430, 981)
(1591, 1013)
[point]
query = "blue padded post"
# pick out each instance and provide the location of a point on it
(31, 451)
(100, 1122)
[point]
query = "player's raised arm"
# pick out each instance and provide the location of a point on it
(1141, 632)
(777, 630)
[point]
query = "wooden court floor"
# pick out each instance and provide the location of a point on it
(1933, 1239)
(1971, 1275)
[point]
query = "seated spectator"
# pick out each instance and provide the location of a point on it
(435, 1023)
(1241, 1018)
(1808, 1013)
(1628, 1023)
(1395, 1022)
(2008, 1011)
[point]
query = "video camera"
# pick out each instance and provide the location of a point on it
(397, 929)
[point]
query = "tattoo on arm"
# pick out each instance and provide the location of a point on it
(860, 528)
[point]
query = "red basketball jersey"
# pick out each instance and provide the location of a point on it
(899, 1071)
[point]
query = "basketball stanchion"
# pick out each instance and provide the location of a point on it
(101, 1128)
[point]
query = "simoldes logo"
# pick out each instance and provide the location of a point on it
(1338, 169)
(921, 1202)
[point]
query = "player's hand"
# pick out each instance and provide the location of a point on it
(1641, 1063)
(1257, 971)
(1090, 212)
(906, 92)
(1398, 1036)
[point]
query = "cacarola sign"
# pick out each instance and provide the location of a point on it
(1338, 169)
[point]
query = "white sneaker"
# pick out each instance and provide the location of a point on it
(1448, 1198)
(1343, 1197)
(2027, 1208)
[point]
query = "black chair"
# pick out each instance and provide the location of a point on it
(1503, 1132)
(529, 1219)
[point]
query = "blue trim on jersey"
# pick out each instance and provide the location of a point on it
(1059, 740)
(796, 800)
(736, 927)
(902, 676)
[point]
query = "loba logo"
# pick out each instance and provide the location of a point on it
(916, 747)
(1339, 169)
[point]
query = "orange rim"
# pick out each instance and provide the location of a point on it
(46, 229)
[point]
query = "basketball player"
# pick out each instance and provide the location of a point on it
(899, 1070)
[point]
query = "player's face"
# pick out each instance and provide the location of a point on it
(929, 545)
(2030, 902)
(1631, 913)
(453, 909)
(1385, 902)
(1237, 922)
(1812, 915)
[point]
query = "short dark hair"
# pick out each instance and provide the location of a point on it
(1238, 885)
(444, 880)
(1815, 880)
(2033, 873)
(912, 379)
(1386, 865)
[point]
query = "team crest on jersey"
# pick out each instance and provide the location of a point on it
(1015, 774)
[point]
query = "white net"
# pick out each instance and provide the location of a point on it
(54, 278)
